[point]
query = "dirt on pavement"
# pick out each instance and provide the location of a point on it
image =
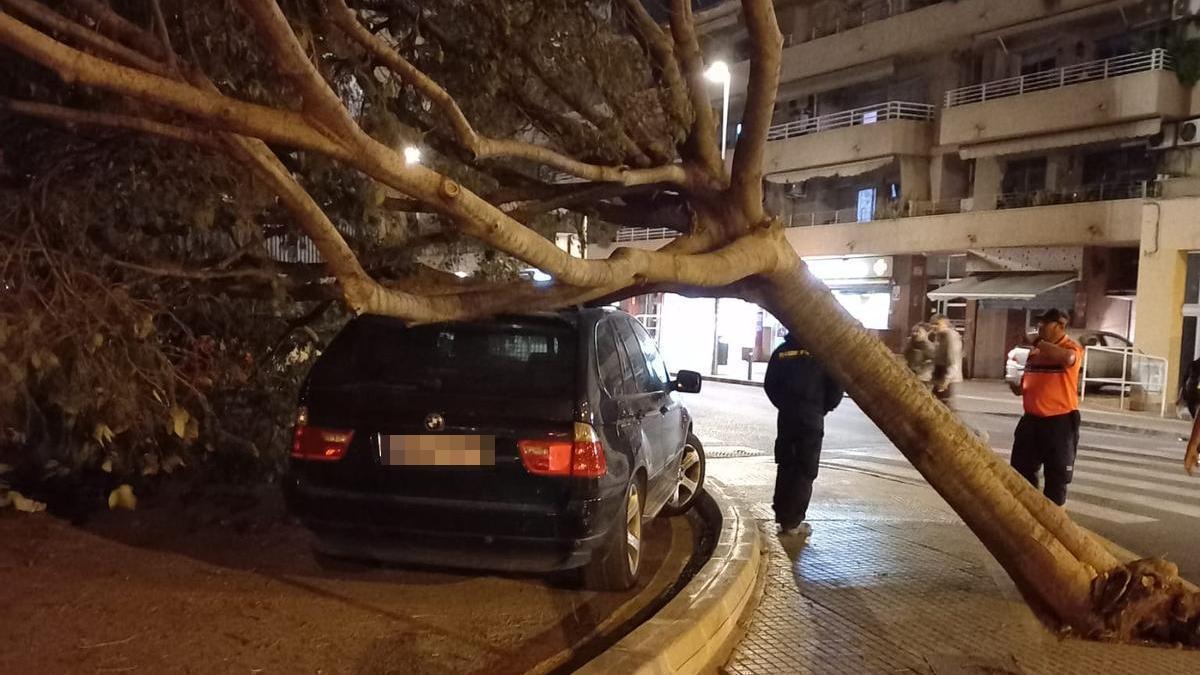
(227, 584)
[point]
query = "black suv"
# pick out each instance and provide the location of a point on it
(529, 443)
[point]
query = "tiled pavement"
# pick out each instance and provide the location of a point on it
(893, 582)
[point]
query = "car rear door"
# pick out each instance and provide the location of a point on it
(618, 397)
(654, 406)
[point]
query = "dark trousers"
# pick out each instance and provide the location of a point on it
(797, 457)
(1050, 443)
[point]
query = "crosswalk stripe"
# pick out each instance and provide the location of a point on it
(1121, 481)
(1165, 454)
(1098, 464)
(1101, 472)
(1140, 500)
(1073, 505)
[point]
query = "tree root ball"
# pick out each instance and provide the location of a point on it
(1145, 600)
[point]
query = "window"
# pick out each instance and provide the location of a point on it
(654, 361)
(612, 375)
(643, 381)
(489, 360)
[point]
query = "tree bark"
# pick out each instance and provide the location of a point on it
(1057, 566)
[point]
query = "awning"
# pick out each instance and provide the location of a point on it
(1006, 286)
(830, 171)
(1115, 132)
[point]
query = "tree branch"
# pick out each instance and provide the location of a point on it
(761, 90)
(122, 29)
(323, 106)
(230, 114)
(48, 18)
(702, 139)
(655, 41)
(480, 146)
(71, 117)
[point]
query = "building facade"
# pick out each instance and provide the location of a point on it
(991, 158)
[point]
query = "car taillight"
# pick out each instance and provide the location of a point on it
(583, 457)
(318, 443)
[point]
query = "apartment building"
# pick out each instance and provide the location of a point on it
(988, 159)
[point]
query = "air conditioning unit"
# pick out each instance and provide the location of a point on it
(1188, 132)
(1164, 139)
(1185, 9)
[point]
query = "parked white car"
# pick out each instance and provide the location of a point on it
(1100, 364)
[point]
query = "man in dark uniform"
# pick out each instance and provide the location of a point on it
(803, 392)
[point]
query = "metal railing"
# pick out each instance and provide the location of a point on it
(1141, 62)
(1147, 373)
(868, 12)
(1096, 192)
(1086, 193)
(871, 114)
(812, 218)
(645, 233)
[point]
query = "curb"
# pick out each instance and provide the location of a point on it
(697, 630)
(1102, 426)
(1088, 424)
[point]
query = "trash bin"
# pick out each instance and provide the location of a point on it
(1137, 398)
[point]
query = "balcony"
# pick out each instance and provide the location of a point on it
(879, 36)
(849, 18)
(872, 114)
(1155, 59)
(1125, 90)
(880, 130)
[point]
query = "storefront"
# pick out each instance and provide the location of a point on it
(733, 338)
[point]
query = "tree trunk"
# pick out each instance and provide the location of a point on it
(1054, 562)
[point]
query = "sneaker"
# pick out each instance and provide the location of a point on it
(803, 531)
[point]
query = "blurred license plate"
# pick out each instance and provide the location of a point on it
(439, 450)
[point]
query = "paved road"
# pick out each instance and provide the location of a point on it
(1128, 487)
(230, 586)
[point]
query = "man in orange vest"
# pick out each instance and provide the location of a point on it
(1048, 434)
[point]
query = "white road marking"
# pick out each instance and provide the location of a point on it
(1083, 508)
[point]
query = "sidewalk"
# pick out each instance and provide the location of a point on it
(893, 582)
(993, 397)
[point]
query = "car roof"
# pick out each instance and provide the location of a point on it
(573, 317)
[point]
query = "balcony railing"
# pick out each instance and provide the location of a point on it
(1155, 59)
(871, 114)
(1097, 192)
(645, 234)
(847, 19)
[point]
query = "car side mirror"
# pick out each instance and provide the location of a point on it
(688, 382)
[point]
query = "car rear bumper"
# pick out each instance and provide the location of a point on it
(450, 532)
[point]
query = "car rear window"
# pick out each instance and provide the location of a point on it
(494, 359)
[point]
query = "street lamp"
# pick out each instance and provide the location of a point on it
(412, 155)
(719, 72)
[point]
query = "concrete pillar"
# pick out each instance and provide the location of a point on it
(796, 22)
(910, 281)
(1169, 232)
(947, 177)
(914, 179)
(989, 173)
(1057, 167)
(1091, 295)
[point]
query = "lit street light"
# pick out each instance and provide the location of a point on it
(719, 72)
(412, 155)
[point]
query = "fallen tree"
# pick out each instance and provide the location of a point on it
(512, 95)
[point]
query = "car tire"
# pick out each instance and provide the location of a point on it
(692, 469)
(615, 565)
